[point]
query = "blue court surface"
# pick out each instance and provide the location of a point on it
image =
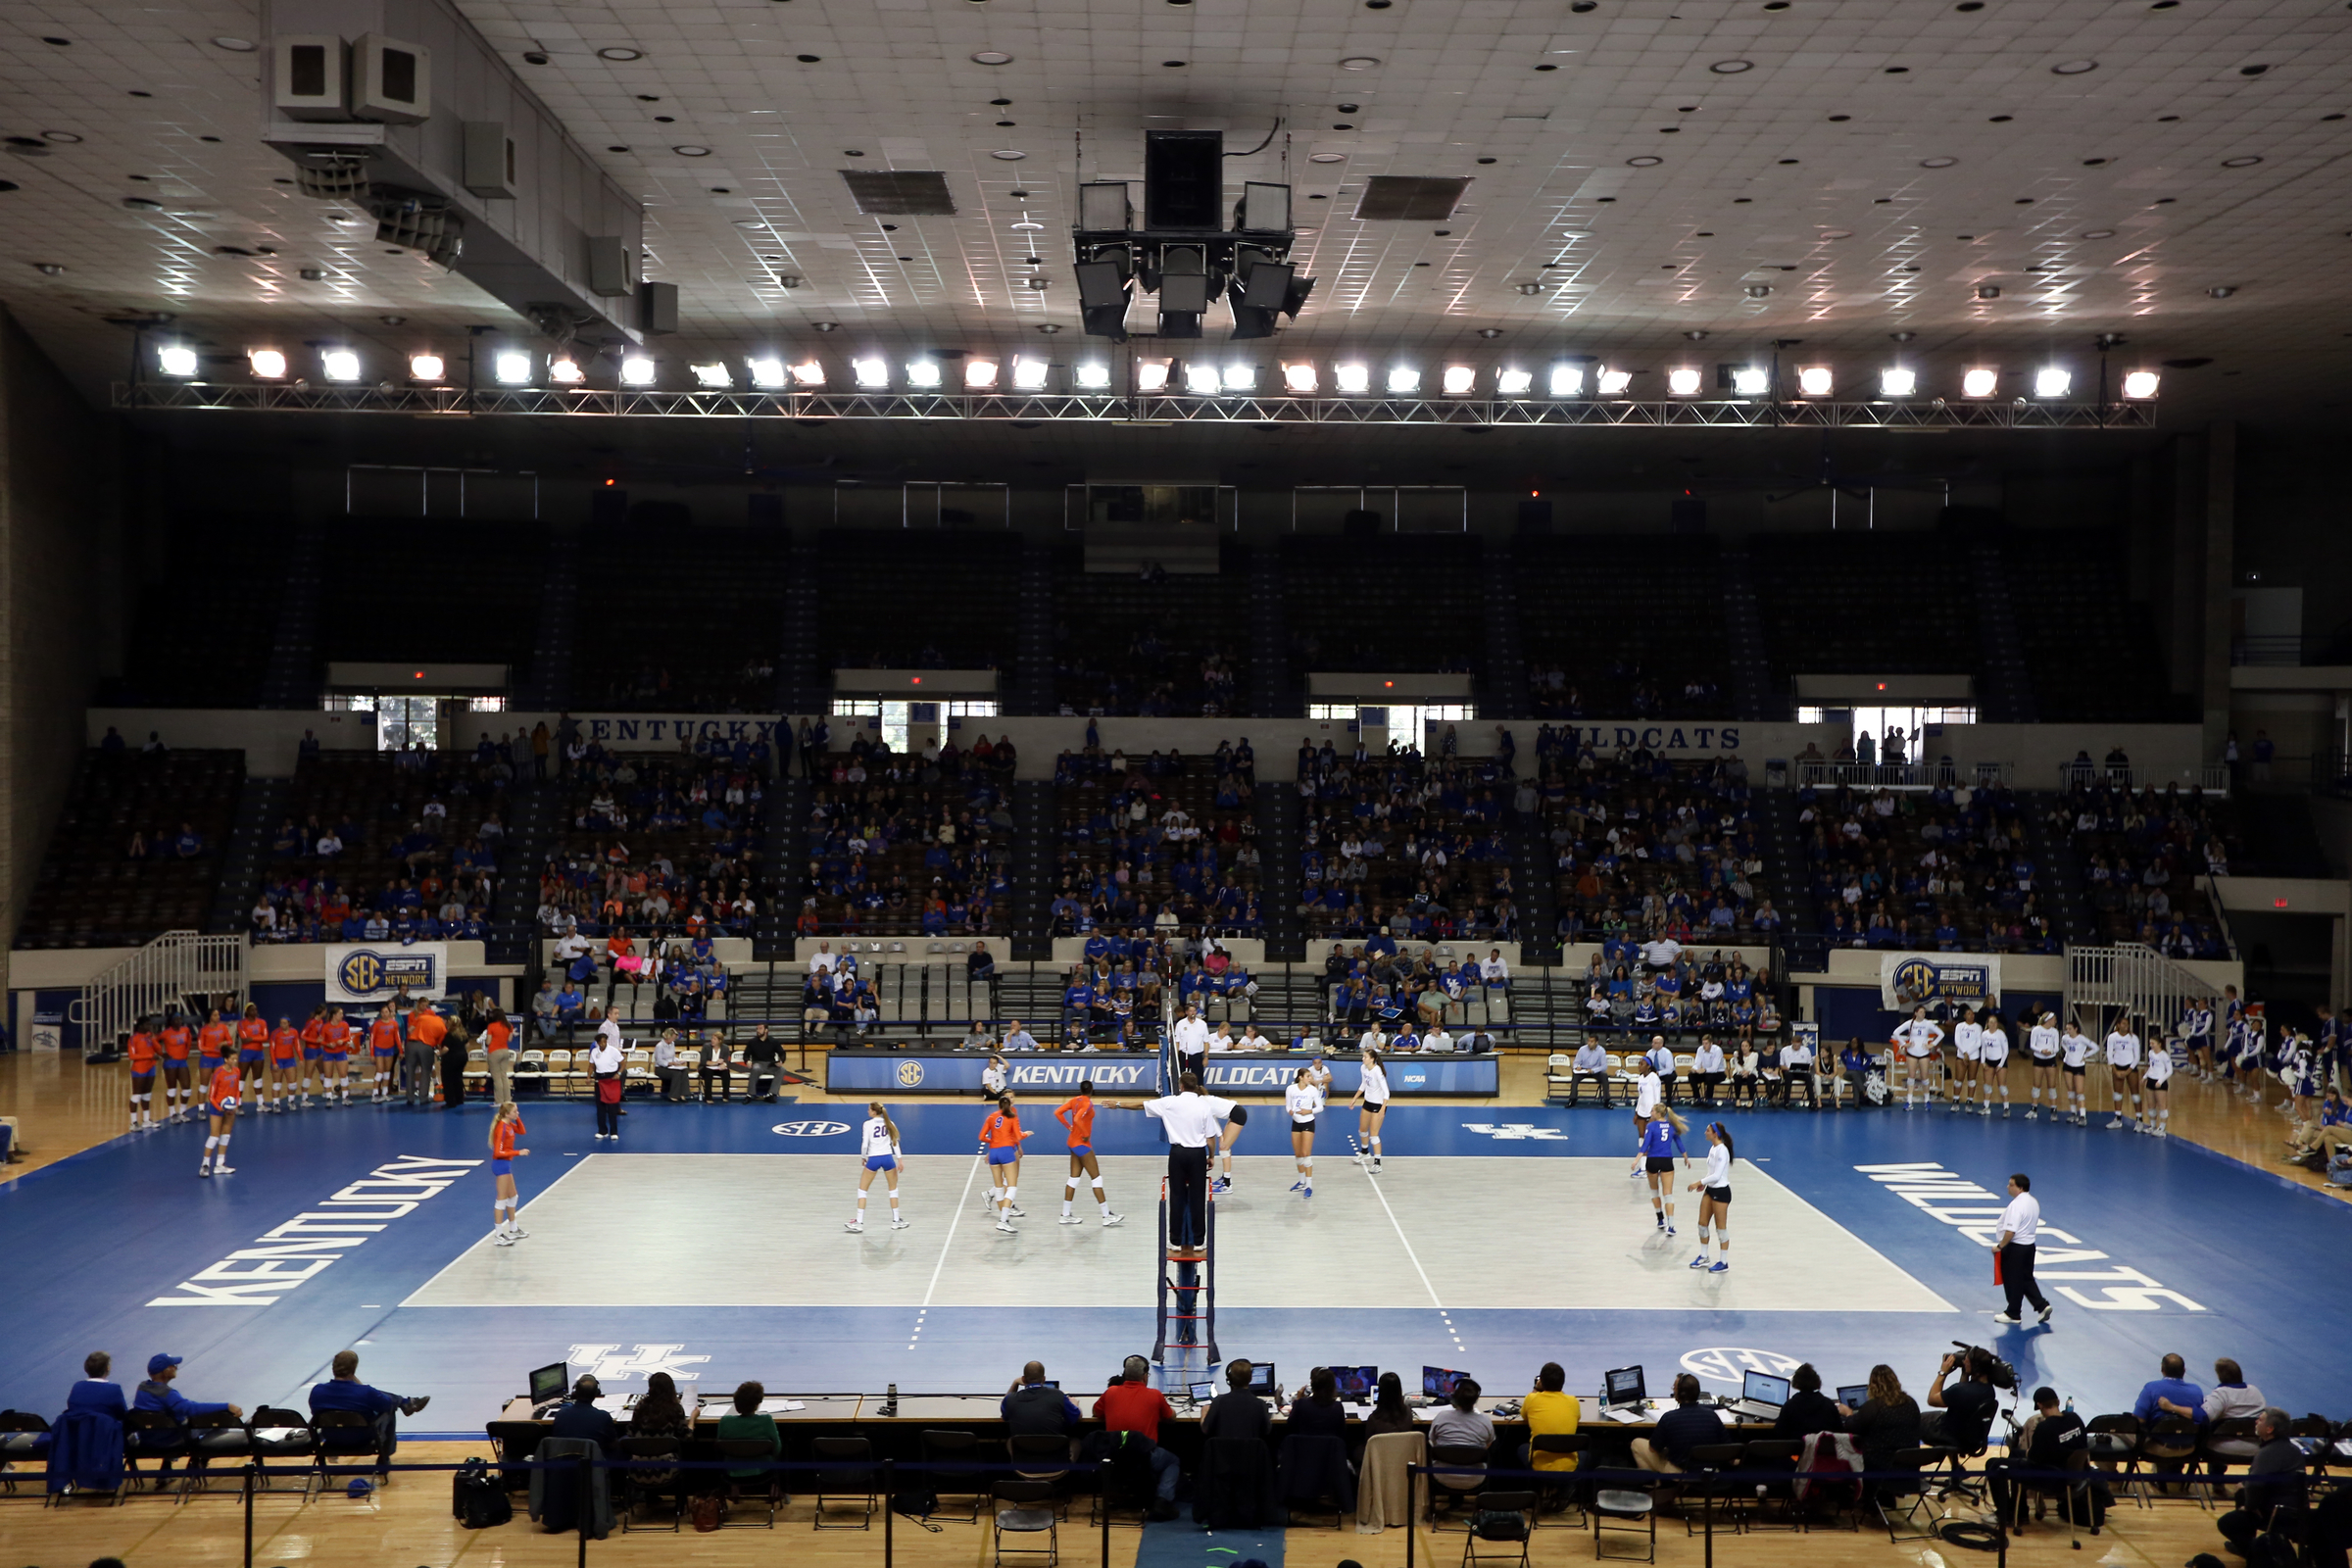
(708, 1243)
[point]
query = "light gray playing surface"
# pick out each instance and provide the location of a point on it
(1464, 1233)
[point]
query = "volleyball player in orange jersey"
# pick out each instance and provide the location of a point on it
(1000, 1139)
(507, 1225)
(383, 1048)
(314, 1053)
(221, 1096)
(214, 1042)
(285, 1065)
(143, 1052)
(334, 1058)
(1077, 1113)
(179, 1095)
(253, 1053)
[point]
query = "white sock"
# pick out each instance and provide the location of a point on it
(1068, 1194)
(860, 1206)
(223, 1158)
(894, 1203)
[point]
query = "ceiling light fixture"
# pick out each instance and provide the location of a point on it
(979, 375)
(176, 359)
(1682, 380)
(1007, 155)
(2223, 291)
(1092, 377)
(1403, 379)
(2052, 383)
(618, 55)
(266, 363)
(1750, 380)
(711, 377)
(565, 371)
(1513, 383)
(691, 151)
(1458, 380)
(1299, 378)
(1732, 68)
(2140, 383)
(871, 372)
(809, 373)
(992, 57)
(922, 373)
(1566, 380)
(1815, 380)
(1645, 160)
(1327, 158)
(1613, 383)
(340, 365)
(2246, 162)
(1201, 381)
(1757, 292)
(1151, 375)
(637, 370)
(1359, 62)
(1352, 378)
(1988, 291)
(2073, 67)
(426, 366)
(1982, 382)
(1029, 376)
(1897, 381)
(510, 367)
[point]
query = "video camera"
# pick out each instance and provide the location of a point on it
(1996, 1371)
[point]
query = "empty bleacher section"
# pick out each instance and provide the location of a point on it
(420, 850)
(2145, 856)
(1172, 647)
(902, 600)
(200, 636)
(460, 591)
(1393, 602)
(701, 631)
(1876, 602)
(2092, 653)
(1620, 629)
(1410, 845)
(911, 848)
(137, 849)
(664, 843)
(1950, 869)
(1156, 840)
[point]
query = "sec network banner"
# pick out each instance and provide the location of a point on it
(1951, 979)
(377, 971)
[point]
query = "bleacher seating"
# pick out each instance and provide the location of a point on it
(1169, 648)
(92, 890)
(2092, 653)
(1874, 603)
(1416, 846)
(1395, 602)
(198, 636)
(700, 632)
(2145, 858)
(663, 843)
(465, 590)
(1140, 834)
(1617, 628)
(915, 849)
(1949, 869)
(918, 600)
(420, 847)
(1644, 845)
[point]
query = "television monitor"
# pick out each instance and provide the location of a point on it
(1261, 1377)
(1623, 1386)
(1357, 1384)
(1438, 1382)
(550, 1382)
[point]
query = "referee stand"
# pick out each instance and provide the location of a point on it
(1187, 1301)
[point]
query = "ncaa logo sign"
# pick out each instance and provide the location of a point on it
(910, 1073)
(810, 1129)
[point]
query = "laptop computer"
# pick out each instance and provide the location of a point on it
(1261, 1377)
(1357, 1384)
(550, 1385)
(1622, 1395)
(1854, 1396)
(1761, 1396)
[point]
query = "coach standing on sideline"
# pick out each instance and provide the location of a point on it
(1193, 1122)
(2021, 1225)
(425, 1033)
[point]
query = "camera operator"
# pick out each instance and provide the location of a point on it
(1960, 1417)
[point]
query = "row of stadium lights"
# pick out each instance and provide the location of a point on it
(515, 368)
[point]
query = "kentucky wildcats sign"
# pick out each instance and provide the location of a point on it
(907, 1072)
(377, 971)
(1909, 979)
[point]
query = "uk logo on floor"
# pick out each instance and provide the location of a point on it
(607, 1364)
(1514, 1131)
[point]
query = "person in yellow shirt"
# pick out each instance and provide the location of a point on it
(1549, 1412)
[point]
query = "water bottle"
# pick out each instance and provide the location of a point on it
(2070, 1405)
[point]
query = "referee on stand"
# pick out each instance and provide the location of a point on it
(1193, 1122)
(2021, 1227)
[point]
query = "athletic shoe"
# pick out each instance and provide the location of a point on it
(2048, 1310)
(204, 1170)
(412, 1406)
(2006, 1317)
(1115, 1219)
(1306, 1191)
(1701, 1261)
(1661, 1220)
(1071, 1219)
(225, 1170)
(1295, 1185)
(899, 1224)
(502, 1239)
(1015, 1209)
(1008, 1227)
(1987, 1110)
(1720, 1268)
(518, 1233)
(1670, 1230)
(854, 1227)
(2116, 1125)
(1376, 1165)
(2004, 1113)
(1220, 1185)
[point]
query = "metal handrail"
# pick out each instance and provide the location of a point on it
(165, 973)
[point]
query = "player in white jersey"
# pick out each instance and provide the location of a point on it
(1993, 1072)
(1916, 1043)
(2159, 1119)
(1715, 1200)
(878, 1151)
(2074, 1058)
(1305, 1102)
(2196, 1033)
(1967, 1039)
(2122, 1073)
(2041, 1045)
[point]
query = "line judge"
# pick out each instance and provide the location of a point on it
(1195, 1123)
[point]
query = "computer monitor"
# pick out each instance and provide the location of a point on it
(1203, 1393)
(1623, 1386)
(1854, 1396)
(1438, 1382)
(550, 1382)
(1764, 1389)
(1261, 1377)
(1357, 1384)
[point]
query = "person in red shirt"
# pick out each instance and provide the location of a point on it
(422, 1070)
(143, 1052)
(285, 1066)
(334, 1058)
(1001, 1141)
(314, 1053)
(221, 1096)
(179, 1096)
(212, 1045)
(1132, 1404)
(384, 1044)
(506, 1225)
(498, 1049)
(1077, 1114)
(253, 1053)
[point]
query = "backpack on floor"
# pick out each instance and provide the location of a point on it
(710, 1512)
(478, 1496)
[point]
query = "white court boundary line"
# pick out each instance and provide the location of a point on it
(954, 1219)
(1396, 1225)
(472, 1246)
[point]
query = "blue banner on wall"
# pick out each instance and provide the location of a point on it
(911, 1072)
(1408, 1075)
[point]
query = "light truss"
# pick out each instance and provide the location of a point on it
(1154, 409)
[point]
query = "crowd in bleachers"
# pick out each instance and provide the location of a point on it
(656, 843)
(1164, 842)
(1948, 869)
(137, 849)
(385, 846)
(1649, 847)
(1409, 995)
(1395, 842)
(1660, 987)
(2143, 855)
(903, 843)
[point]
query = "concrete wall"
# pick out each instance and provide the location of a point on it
(56, 506)
(271, 739)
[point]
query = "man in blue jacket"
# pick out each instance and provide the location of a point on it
(347, 1392)
(158, 1394)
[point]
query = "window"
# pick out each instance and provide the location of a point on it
(346, 703)
(1408, 724)
(485, 705)
(401, 720)
(1914, 722)
(906, 726)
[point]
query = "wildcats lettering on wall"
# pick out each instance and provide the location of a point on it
(1702, 739)
(1907, 979)
(380, 971)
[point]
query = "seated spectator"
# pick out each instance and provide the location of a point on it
(2169, 1395)
(1236, 1415)
(1033, 1408)
(1887, 1424)
(158, 1394)
(2273, 1484)
(96, 1392)
(748, 1423)
(347, 1392)
(1458, 1423)
(1689, 1425)
(1549, 1411)
(1808, 1410)
(1390, 1412)
(1132, 1405)
(2229, 1400)
(578, 1416)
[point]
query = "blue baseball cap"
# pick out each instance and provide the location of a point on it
(157, 1362)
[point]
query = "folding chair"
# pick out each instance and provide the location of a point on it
(151, 1435)
(1463, 1476)
(1567, 1490)
(957, 1449)
(23, 1440)
(1623, 1510)
(344, 1434)
(1507, 1517)
(771, 1482)
(2172, 1439)
(1767, 1475)
(1708, 1482)
(278, 1433)
(848, 1478)
(636, 1489)
(1919, 1515)
(213, 1438)
(1029, 1512)
(2115, 1440)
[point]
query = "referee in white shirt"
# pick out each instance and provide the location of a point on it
(2021, 1228)
(1193, 1123)
(1191, 1035)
